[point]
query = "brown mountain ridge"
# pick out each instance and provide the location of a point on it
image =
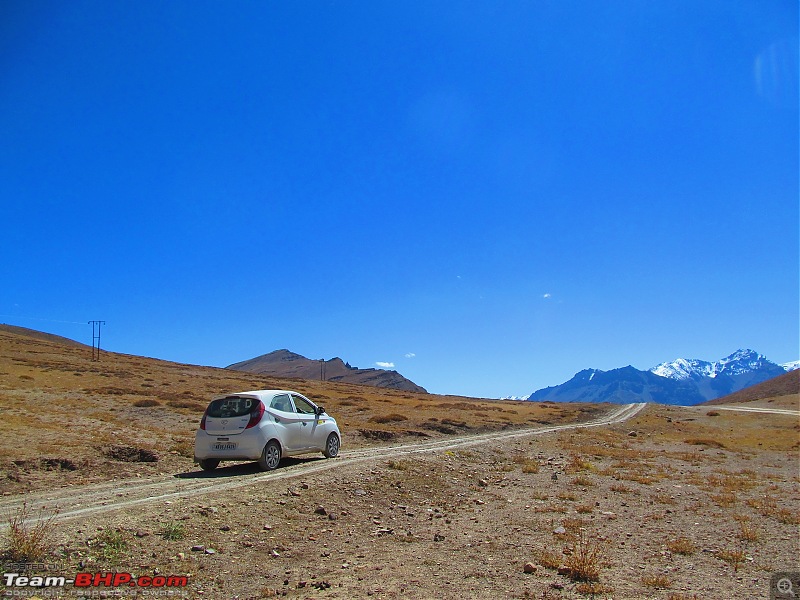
(783, 385)
(284, 363)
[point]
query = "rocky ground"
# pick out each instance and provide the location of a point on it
(675, 503)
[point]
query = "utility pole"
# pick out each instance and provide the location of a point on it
(96, 338)
(322, 369)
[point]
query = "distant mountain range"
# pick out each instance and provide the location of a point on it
(682, 381)
(283, 363)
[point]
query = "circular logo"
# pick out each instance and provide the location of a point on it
(784, 586)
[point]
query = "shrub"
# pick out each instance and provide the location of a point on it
(549, 559)
(110, 544)
(682, 545)
(391, 418)
(173, 531)
(587, 559)
(659, 582)
(147, 402)
(30, 536)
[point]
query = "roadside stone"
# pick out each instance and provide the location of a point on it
(210, 551)
(320, 510)
(198, 548)
(529, 568)
(560, 530)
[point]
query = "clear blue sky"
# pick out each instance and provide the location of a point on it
(489, 195)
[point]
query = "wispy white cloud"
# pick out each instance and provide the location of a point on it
(385, 365)
(547, 295)
(410, 355)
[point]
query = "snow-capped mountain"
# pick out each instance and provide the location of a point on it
(682, 381)
(791, 366)
(738, 363)
(682, 368)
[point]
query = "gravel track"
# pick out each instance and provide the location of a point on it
(72, 503)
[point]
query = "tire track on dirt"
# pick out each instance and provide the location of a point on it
(94, 499)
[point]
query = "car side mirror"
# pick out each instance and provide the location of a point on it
(320, 410)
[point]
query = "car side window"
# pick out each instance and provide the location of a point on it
(281, 402)
(303, 405)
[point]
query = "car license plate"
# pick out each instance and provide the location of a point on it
(226, 446)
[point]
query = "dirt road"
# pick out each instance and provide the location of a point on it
(94, 499)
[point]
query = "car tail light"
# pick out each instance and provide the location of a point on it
(203, 420)
(256, 415)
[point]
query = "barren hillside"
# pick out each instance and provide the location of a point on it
(675, 503)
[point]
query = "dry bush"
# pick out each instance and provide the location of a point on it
(578, 463)
(587, 558)
(735, 557)
(659, 582)
(724, 500)
(584, 509)
(573, 525)
(30, 535)
(548, 558)
(390, 418)
(748, 533)
(567, 496)
(146, 403)
(712, 413)
(787, 517)
(767, 505)
(186, 404)
(592, 589)
(400, 465)
(663, 499)
(682, 545)
(620, 488)
(529, 465)
(582, 480)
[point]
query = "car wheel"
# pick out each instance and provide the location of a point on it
(208, 464)
(332, 446)
(270, 457)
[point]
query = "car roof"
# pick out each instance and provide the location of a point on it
(260, 394)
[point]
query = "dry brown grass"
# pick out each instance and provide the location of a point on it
(682, 545)
(30, 535)
(578, 463)
(748, 533)
(159, 403)
(587, 558)
(658, 582)
(582, 480)
(549, 559)
(733, 556)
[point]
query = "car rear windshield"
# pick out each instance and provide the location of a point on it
(232, 406)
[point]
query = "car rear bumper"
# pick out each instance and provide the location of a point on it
(247, 446)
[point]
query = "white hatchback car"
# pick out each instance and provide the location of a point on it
(263, 425)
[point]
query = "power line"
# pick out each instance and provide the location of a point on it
(96, 338)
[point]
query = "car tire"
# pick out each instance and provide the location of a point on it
(270, 457)
(208, 464)
(332, 446)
